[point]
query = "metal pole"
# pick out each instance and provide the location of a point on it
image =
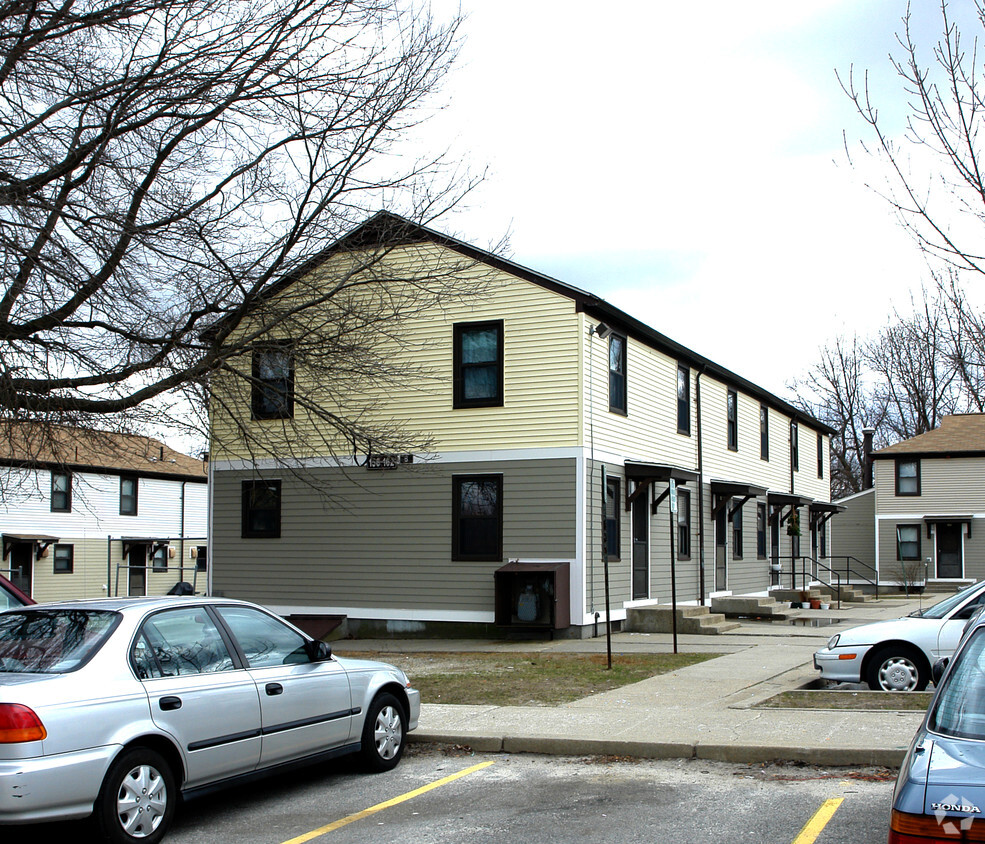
(673, 564)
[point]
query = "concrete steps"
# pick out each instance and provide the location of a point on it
(748, 606)
(690, 619)
(849, 594)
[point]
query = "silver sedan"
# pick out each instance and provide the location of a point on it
(115, 707)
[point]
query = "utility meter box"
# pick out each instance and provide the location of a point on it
(535, 595)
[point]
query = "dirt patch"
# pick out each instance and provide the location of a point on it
(821, 699)
(525, 679)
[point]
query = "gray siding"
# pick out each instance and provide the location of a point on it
(383, 539)
(853, 531)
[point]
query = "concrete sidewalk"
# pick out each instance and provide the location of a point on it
(704, 711)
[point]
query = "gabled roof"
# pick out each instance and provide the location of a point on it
(389, 230)
(35, 445)
(959, 434)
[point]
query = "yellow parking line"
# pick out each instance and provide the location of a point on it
(379, 807)
(812, 829)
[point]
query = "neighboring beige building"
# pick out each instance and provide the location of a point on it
(545, 400)
(922, 520)
(88, 514)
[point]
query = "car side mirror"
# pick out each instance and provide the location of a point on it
(318, 651)
(939, 668)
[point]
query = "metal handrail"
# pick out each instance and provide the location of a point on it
(852, 570)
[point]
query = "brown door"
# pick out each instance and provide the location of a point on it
(137, 571)
(948, 549)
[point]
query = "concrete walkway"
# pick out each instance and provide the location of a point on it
(704, 711)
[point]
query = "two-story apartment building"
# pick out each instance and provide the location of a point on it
(88, 514)
(920, 518)
(559, 425)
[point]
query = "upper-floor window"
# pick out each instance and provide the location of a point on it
(477, 517)
(907, 476)
(612, 532)
(683, 399)
(61, 492)
(478, 361)
(764, 432)
(272, 394)
(820, 455)
(261, 509)
(128, 496)
(617, 373)
(732, 414)
(794, 447)
(683, 524)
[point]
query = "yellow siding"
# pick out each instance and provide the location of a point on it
(541, 369)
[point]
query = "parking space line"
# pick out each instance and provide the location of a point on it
(819, 820)
(379, 807)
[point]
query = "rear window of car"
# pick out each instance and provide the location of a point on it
(960, 706)
(40, 641)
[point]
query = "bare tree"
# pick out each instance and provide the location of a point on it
(165, 163)
(839, 391)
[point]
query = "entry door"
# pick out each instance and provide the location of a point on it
(22, 565)
(641, 547)
(137, 571)
(948, 549)
(721, 549)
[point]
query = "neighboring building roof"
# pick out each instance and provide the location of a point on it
(39, 445)
(959, 434)
(389, 229)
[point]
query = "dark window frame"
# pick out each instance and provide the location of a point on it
(459, 330)
(613, 524)
(63, 569)
(160, 554)
(764, 432)
(64, 497)
(683, 524)
(684, 401)
(736, 531)
(265, 390)
(899, 542)
(762, 528)
(820, 455)
(249, 509)
(794, 446)
(618, 380)
(126, 511)
(901, 461)
(732, 420)
(493, 554)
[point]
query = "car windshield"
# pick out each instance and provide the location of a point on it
(944, 607)
(51, 641)
(960, 706)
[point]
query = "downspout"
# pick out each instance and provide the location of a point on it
(701, 492)
(181, 536)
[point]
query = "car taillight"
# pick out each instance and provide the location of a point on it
(19, 723)
(905, 828)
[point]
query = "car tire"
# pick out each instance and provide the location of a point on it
(384, 733)
(898, 668)
(138, 797)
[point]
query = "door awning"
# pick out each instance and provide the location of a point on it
(784, 499)
(938, 519)
(821, 511)
(722, 492)
(40, 540)
(647, 474)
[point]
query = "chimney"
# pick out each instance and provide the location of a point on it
(867, 434)
(162, 451)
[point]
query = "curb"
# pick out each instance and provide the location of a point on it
(733, 753)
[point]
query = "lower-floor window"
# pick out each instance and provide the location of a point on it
(160, 559)
(477, 517)
(613, 540)
(64, 562)
(261, 509)
(737, 531)
(683, 524)
(761, 531)
(908, 542)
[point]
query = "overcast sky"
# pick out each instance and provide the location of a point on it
(685, 161)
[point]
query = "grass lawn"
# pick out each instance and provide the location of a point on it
(820, 699)
(523, 679)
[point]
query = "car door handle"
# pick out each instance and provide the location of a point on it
(169, 703)
(274, 689)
